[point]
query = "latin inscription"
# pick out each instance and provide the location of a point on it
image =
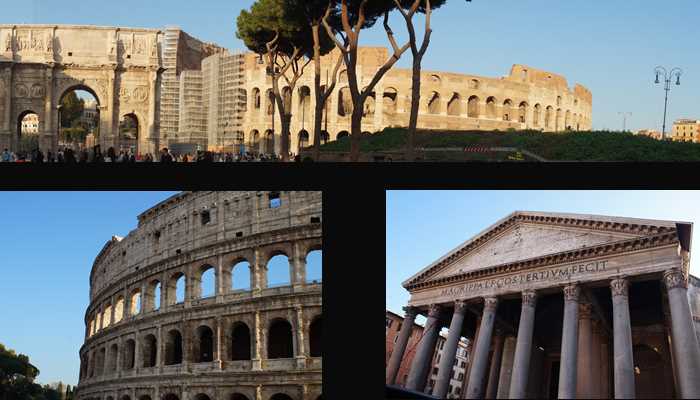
(549, 275)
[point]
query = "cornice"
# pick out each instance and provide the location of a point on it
(605, 249)
(603, 226)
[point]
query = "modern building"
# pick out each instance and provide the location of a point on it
(183, 306)
(393, 327)
(563, 305)
(652, 133)
(90, 116)
(686, 130)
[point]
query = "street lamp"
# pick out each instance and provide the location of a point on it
(624, 119)
(661, 72)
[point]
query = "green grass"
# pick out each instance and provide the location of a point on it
(568, 146)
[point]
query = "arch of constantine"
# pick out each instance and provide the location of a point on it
(561, 305)
(183, 307)
(39, 64)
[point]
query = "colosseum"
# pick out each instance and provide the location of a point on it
(527, 98)
(153, 332)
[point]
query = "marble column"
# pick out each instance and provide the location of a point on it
(400, 346)
(523, 349)
(426, 346)
(569, 343)
(506, 368)
(470, 357)
(481, 350)
(604, 367)
(685, 345)
(449, 352)
(495, 369)
(622, 340)
(596, 363)
(584, 382)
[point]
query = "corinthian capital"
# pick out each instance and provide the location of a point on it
(585, 310)
(490, 303)
(460, 307)
(619, 287)
(571, 292)
(529, 298)
(434, 311)
(674, 278)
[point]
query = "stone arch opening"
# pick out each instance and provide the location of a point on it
(135, 302)
(255, 141)
(304, 102)
(176, 288)
(256, 98)
(145, 397)
(173, 347)
(649, 366)
(107, 316)
(280, 396)
(473, 107)
(567, 120)
(78, 117)
(278, 270)
(303, 139)
(344, 102)
(269, 142)
(201, 396)
(269, 102)
(28, 131)
(206, 282)
(152, 296)
(113, 351)
(369, 106)
(128, 354)
(129, 133)
(204, 344)
(150, 350)
(287, 98)
(507, 109)
(557, 120)
(454, 106)
(315, 337)
(171, 396)
(522, 112)
(548, 114)
(100, 361)
(240, 341)
(491, 107)
(280, 340)
(240, 275)
(390, 99)
(325, 137)
(314, 266)
(238, 396)
(536, 115)
(343, 134)
(119, 309)
(434, 103)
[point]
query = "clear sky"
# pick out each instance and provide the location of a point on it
(422, 226)
(48, 243)
(611, 47)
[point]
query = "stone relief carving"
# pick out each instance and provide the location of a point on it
(140, 46)
(619, 287)
(154, 48)
(49, 43)
(38, 91)
(21, 91)
(37, 42)
(124, 94)
(8, 42)
(140, 93)
(674, 278)
(529, 297)
(22, 41)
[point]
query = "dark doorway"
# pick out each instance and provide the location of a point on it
(554, 380)
(280, 343)
(240, 346)
(206, 344)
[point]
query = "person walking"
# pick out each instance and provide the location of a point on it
(6, 156)
(165, 156)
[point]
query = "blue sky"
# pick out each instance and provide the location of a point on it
(422, 226)
(610, 46)
(48, 244)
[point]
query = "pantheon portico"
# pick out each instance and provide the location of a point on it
(561, 305)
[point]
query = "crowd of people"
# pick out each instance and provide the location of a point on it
(69, 156)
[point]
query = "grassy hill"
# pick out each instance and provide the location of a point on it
(567, 146)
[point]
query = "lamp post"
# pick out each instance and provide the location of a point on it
(668, 76)
(624, 119)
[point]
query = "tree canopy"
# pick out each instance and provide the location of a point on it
(71, 109)
(17, 376)
(271, 21)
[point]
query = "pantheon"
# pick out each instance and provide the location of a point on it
(561, 305)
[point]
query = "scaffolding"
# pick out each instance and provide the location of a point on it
(170, 88)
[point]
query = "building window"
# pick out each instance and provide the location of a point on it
(398, 328)
(388, 323)
(450, 391)
(454, 374)
(441, 345)
(435, 371)
(396, 338)
(463, 364)
(275, 201)
(206, 217)
(461, 376)
(457, 390)
(438, 359)
(432, 383)
(456, 361)
(405, 377)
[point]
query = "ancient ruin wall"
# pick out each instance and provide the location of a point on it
(133, 352)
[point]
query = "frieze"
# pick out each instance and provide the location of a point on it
(551, 275)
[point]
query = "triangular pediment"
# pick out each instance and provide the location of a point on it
(526, 235)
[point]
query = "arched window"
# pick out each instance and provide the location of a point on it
(240, 276)
(107, 316)
(240, 342)
(269, 142)
(507, 110)
(536, 115)
(390, 99)
(204, 345)
(287, 98)
(369, 106)
(303, 140)
(305, 102)
(129, 354)
(207, 284)
(173, 348)
(434, 103)
(548, 117)
(314, 266)
(149, 351)
(344, 102)
(270, 102)
(454, 107)
(567, 120)
(113, 351)
(522, 112)
(256, 98)
(473, 107)
(99, 321)
(100, 361)
(278, 271)
(343, 134)
(491, 107)
(558, 101)
(280, 340)
(135, 302)
(315, 337)
(152, 296)
(176, 288)
(474, 84)
(325, 137)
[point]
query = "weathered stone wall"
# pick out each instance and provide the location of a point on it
(527, 98)
(183, 236)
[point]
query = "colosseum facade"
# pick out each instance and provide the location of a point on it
(151, 334)
(527, 98)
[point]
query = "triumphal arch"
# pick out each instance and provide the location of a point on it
(561, 305)
(39, 64)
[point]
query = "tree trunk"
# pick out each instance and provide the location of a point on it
(317, 87)
(286, 122)
(318, 123)
(415, 105)
(356, 130)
